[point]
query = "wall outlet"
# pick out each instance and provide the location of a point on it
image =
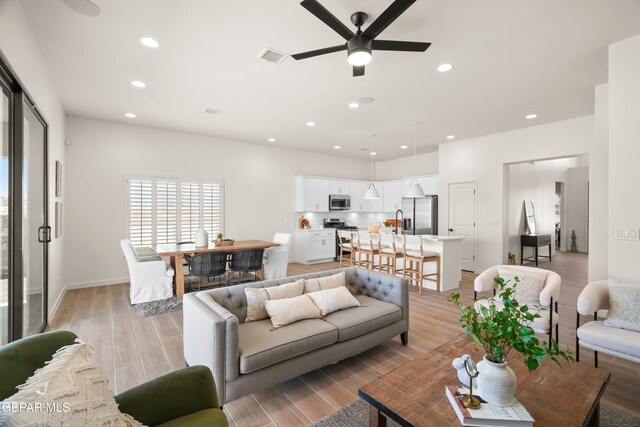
(624, 233)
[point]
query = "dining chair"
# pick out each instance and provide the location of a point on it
(391, 249)
(415, 256)
(346, 247)
(275, 260)
(246, 261)
(208, 264)
(367, 244)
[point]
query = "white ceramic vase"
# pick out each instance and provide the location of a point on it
(202, 238)
(496, 382)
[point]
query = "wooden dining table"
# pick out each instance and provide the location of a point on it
(178, 252)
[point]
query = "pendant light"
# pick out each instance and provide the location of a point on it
(415, 190)
(371, 193)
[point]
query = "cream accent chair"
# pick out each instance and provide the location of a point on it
(276, 259)
(151, 279)
(549, 296)
(622, 343)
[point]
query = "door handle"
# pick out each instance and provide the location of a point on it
(451, 229)
(48, 230)
(41, 234)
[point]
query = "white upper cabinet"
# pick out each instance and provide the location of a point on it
(358, 203)
(338, 187)
(312, 194)
(393, 192)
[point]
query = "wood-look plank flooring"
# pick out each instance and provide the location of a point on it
(133, 350)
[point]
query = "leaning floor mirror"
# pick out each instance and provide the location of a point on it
(530, 213)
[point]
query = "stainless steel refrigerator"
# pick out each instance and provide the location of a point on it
(420, 215)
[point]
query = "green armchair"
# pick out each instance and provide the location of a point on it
(186, 397)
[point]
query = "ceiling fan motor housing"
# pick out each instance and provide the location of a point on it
(359, 43)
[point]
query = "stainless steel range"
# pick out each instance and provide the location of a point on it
(338, 224)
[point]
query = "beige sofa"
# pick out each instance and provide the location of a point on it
(246, 357)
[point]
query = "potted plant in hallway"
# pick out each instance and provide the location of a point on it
(500, 327)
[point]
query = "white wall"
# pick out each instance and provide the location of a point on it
(426, 164)
(259, 186)
(483, 159)
(18, 44)
(599, 189)
(624, 154)
(535, 182)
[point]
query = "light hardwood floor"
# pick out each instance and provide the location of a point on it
(133, 350)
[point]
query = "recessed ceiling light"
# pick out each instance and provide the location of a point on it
(271, 139)
(311, 124)
(530, 116)
(337, 147)
(138, 83)
(443, 68)
(353, 105)
(130, 115)
(404, 147)
(149, 42)
(373, 153)
(451, 136)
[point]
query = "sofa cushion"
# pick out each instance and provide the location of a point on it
(289, 310)
(331, 300)
(530, 283)
(620, 340)
(256, 297)
(322, 283)
(371, 315)
(260, 346)
(624, 305)
(213, 417)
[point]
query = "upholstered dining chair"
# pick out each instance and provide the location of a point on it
(149, 277)
(415, 256)
(276, 259)
(546, 299)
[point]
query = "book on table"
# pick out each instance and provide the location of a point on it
(487, 414)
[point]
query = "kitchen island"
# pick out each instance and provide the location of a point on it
(450, 250)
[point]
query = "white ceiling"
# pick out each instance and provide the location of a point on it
(510, 57)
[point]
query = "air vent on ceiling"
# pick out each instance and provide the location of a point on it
(272, 55)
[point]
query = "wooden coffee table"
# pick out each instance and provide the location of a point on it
(413, 394)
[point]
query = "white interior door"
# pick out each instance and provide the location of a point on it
(462, 220)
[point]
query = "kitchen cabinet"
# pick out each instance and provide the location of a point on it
(312, 194)
(358, 203)
(338, 187)
(393, 192)
(314, 246)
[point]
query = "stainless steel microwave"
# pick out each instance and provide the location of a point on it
(339, 202)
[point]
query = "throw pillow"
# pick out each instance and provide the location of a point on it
(289, 310)
(531, 283)
(331, 300)
(327, 282)
(256, 298)
(624, 305)
(70, 390)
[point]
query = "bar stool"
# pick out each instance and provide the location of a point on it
(391, 248)
(346, 246)
(367, 244)
(416, 256)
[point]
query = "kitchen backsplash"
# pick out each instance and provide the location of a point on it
(359, 219)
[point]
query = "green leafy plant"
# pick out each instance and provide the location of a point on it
(502, 329)
(512, 256)
(387, 224)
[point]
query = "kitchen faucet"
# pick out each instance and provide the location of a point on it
(399, 211)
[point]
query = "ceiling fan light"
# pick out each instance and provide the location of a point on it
(372, 193)
(359, 57)
(415, 190)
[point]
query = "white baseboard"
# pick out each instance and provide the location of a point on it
(82, 285)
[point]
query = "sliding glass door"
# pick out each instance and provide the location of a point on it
(24, 231)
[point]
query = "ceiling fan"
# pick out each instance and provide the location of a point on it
(360, 44)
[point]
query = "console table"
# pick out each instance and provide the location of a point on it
(534, 241)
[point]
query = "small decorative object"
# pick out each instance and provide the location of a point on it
(574, 247)
(499, 330)
(459, 366)
(224, 242)
(303, 223)
(202, 238)
(472, 371)
(512, 258)
(387, 224)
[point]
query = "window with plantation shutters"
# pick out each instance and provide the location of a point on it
(168, 210)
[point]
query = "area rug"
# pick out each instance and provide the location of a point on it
(356, 414)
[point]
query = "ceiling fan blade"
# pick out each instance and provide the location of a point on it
(318, 52)
(392, 13)
(400, 46)
(325, 16)
(358, 70)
